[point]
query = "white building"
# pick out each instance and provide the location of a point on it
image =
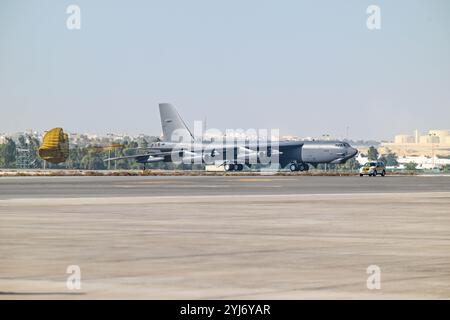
(423, 162)
(3, 138)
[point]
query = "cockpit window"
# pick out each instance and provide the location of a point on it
(342, 144)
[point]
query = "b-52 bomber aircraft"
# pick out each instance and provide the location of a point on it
(178, 145)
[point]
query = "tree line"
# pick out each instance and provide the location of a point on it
(92, 158)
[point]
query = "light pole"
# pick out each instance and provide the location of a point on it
(109, 157)
(432, 135)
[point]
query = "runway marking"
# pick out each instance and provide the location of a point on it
(139, 184)
(156, 182)
(433, 175)
(164, 182)
(208, 198)
(124, 186)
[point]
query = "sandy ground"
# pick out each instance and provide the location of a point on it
(266, 245)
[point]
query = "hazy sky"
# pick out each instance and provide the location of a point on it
(306, 67)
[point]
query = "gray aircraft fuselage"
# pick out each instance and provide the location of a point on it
(180, 146)
(290, 152)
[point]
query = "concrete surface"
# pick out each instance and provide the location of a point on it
(225, 237)
(38, 187)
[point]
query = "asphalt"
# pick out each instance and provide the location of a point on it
(49, 187)
(225, 237)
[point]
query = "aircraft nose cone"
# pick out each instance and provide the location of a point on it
(351, 152)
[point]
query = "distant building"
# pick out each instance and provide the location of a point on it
(403, 138)
(434, 143)
(3, 138)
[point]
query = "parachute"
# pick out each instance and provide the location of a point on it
(55, 147)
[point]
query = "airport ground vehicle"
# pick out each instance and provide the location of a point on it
(373, 168)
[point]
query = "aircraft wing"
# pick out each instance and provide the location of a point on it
(280, 145)
(241, 152)
(147, 157)
(255, 151)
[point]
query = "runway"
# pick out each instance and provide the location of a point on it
(268, 237)
(63, 187)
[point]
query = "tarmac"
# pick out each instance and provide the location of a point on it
(268, 237)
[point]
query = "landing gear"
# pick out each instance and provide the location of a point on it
(229, 167)
(293, 167)
(298, 166)
(303, 167)
(234, 167)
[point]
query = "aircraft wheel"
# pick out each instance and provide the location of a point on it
(306, 166)
(361, 175)
(375, 173)
(383, 173)
(293, 167)
(239, 167)
(229, 167)
(301, 167)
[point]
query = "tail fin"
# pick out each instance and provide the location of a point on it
(174, 128)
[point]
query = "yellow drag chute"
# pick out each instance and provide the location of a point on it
(55, 147)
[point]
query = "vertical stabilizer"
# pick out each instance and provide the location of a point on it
(173, 127)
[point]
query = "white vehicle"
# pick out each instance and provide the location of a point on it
(373, 168)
